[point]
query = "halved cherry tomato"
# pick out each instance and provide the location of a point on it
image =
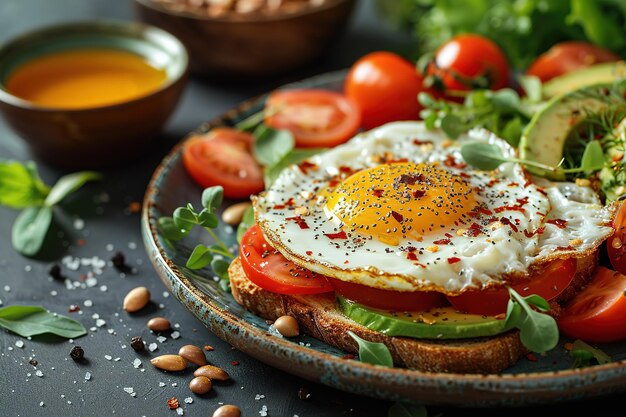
(598, 312)
(616, 244)
(548, 284)
(569, 56)
(386, 299)
(469, 61)
(270, 270)
(316, 118)
(385, 87)
(223, 157)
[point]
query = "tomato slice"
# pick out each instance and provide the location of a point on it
(270, 270)
(616, 245)
(598, 312)
(223, 157)
(316, 118)
(386, 299)
(548, 284)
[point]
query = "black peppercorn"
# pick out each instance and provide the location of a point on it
(137, 343)
(33, 362)
(77, 353)
(55, 272)
(118, 260)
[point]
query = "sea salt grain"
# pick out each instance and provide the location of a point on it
(137, 363)
(152, 347)
(188, 400)
(39, 373)
(88, 303)
(108, 357)
(87, 376)
(175, 335)
(161, 339)
(100, 322)
(180, 411)
(19, 344)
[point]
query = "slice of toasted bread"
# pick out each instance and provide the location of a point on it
(319, 316)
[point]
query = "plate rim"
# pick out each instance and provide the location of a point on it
(524, 388)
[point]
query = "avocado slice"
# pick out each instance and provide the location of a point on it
(604, 73)
(545, 136)
(436, 323)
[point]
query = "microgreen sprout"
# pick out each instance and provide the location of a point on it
(538, 331)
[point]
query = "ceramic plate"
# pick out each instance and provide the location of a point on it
(550, 379)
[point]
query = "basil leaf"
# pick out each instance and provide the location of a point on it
(169, 230)
(68, 184)
(33, 320)
(199, 258)
(30, 229)
(538, 331)
(20, 185)
(247, 221)
(373, 352)
(271, 145)
(482, 155)
(294, 157)
(593, 157)
(402, 409)
(212, 198)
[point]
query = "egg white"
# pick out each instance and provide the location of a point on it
(558, 220)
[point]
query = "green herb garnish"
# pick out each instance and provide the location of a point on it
(29, 321)
(538, 331)
(372, 352)
(584, 354)
(22, 188)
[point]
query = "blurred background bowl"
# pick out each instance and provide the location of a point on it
(254, 44)
(94, 137)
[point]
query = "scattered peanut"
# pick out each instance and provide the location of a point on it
(136, 299)
(200, 385)
(170, 363)
(159, 324)
(233, 214)
(212, 372)
(227, 411)
(287, 326)
(193, 354)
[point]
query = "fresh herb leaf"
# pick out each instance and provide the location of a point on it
(452, 126)
(247, 221)
(185, 217)
(294, 157)
(403, 409)
(20, 185)
(68, 184)
(199, 258)
(538, 331)
(372, 352)
(483, 156)
(593, 158)
(271, 145)
(220, 268)
(583, 354)
(34, 320)
(30, 229)
(212, 198)
(207, 219)
(169, 230)
(532, 87)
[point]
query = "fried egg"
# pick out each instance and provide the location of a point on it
(398, 208)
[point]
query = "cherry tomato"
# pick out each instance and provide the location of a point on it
(616, 245)
(569, 56)
(223, 157)
(316, 118)
(385, 87)
(548, 284)
(270, 270)
(386, 299)
(469, 61)
(598, 312)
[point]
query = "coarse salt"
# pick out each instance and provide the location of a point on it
(152, 347)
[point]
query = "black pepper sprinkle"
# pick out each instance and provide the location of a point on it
(55, 272)
(119, 260)
(33, 362)
(137, 343)
(77, 353)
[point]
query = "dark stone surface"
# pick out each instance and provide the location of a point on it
(97, 222)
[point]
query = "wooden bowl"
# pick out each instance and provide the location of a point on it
(251, 45)
(94, 137)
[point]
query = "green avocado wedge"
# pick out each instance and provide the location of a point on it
(438, 323)
(546, 135)
(604, 73)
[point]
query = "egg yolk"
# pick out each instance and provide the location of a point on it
(401, 200)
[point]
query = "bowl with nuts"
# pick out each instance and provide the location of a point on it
(240, 39)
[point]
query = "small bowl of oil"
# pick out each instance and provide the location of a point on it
(91, 94)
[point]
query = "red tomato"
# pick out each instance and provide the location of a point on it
(548, 284)
(316, 118)
(598, 312)
(469, 61)
(223, 157)
(616, 245)
(388, 300)
(385, 87)
(569, 56)
(270, 270)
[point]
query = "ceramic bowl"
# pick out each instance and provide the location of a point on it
(252, 45)
(94, 137)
